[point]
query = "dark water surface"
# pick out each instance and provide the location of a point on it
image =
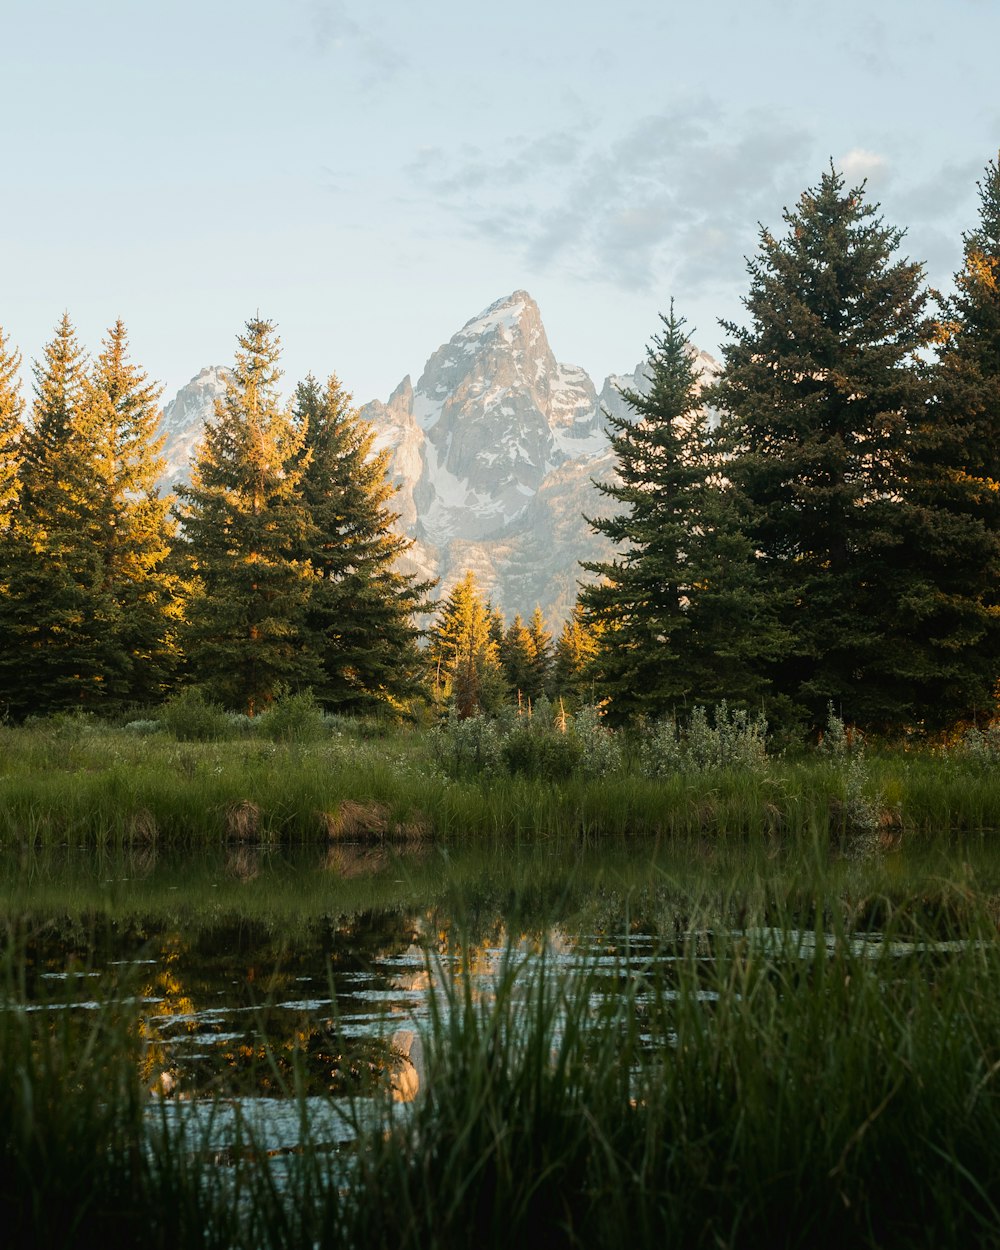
(252, 969)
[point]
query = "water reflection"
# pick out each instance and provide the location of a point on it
(256, 972)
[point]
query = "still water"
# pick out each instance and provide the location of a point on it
(254, 971)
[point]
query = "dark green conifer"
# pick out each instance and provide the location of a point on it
(360, 620)
(517, 655)
(675, 610)
(954, 486)
(542, 655)
(823, 389)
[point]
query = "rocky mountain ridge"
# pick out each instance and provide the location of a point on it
(494, 453)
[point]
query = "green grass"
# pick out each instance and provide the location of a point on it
(784, 1081)
(72, 783)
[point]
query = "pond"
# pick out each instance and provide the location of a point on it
(254, 970)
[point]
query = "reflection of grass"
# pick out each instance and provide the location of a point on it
(776, 1084)
(288, 891)
(106, 786)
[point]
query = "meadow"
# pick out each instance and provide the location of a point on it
(302, 779)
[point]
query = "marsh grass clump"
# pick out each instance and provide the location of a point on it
(859, 811)
(778, 1073)
(784, 1085)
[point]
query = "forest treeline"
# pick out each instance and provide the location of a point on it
(820, 523)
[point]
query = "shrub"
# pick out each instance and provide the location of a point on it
(981, 746)
(293, 718)
(190, 717)
(661, 751)
(533, 749)
(599, 748)
(837, 741)
(467, 746)
(729, 740)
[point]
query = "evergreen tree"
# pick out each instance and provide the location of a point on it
(361, 616)
(823, 390)
(244, 517)
(59, 624)
(677, 616)
(542, 654)
(11, 430)
(464, 658)
(495, 618)
(575, 659)
(955, 483)
(135, 530)
(517, 655)
(970, 353)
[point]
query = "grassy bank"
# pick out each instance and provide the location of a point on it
(79, 782)
(779, 1085)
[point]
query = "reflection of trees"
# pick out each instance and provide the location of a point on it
(243, 971)
(165, 1003)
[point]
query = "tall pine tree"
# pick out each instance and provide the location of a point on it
(11, 429)
(245, 527)
(360, 620)
(675, 611)
(60, 625)
(573, 674)
(135, 528)
(464, 657)
(517, 654)
(823, 389)
(954, 486)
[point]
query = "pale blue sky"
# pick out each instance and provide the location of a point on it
(371, 175)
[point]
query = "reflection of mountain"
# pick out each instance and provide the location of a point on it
(494, 451)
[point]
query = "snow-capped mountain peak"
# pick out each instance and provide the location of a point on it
(494, 453)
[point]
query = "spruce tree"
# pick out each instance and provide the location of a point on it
(11, 450)
(954, 484)
(11, 430)
(136, 530)
(464, 658)
(970, 353)
(245, 525)
(675, 609)
(517, 654)
(541, 654)
(360, 621)
(60, 625)
(823, 389)
(574, 666)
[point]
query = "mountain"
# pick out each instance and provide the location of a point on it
(493, 453)
(184, 419)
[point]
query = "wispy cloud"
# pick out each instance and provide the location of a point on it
(859, 164)
(335, 27)
(675, 196)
